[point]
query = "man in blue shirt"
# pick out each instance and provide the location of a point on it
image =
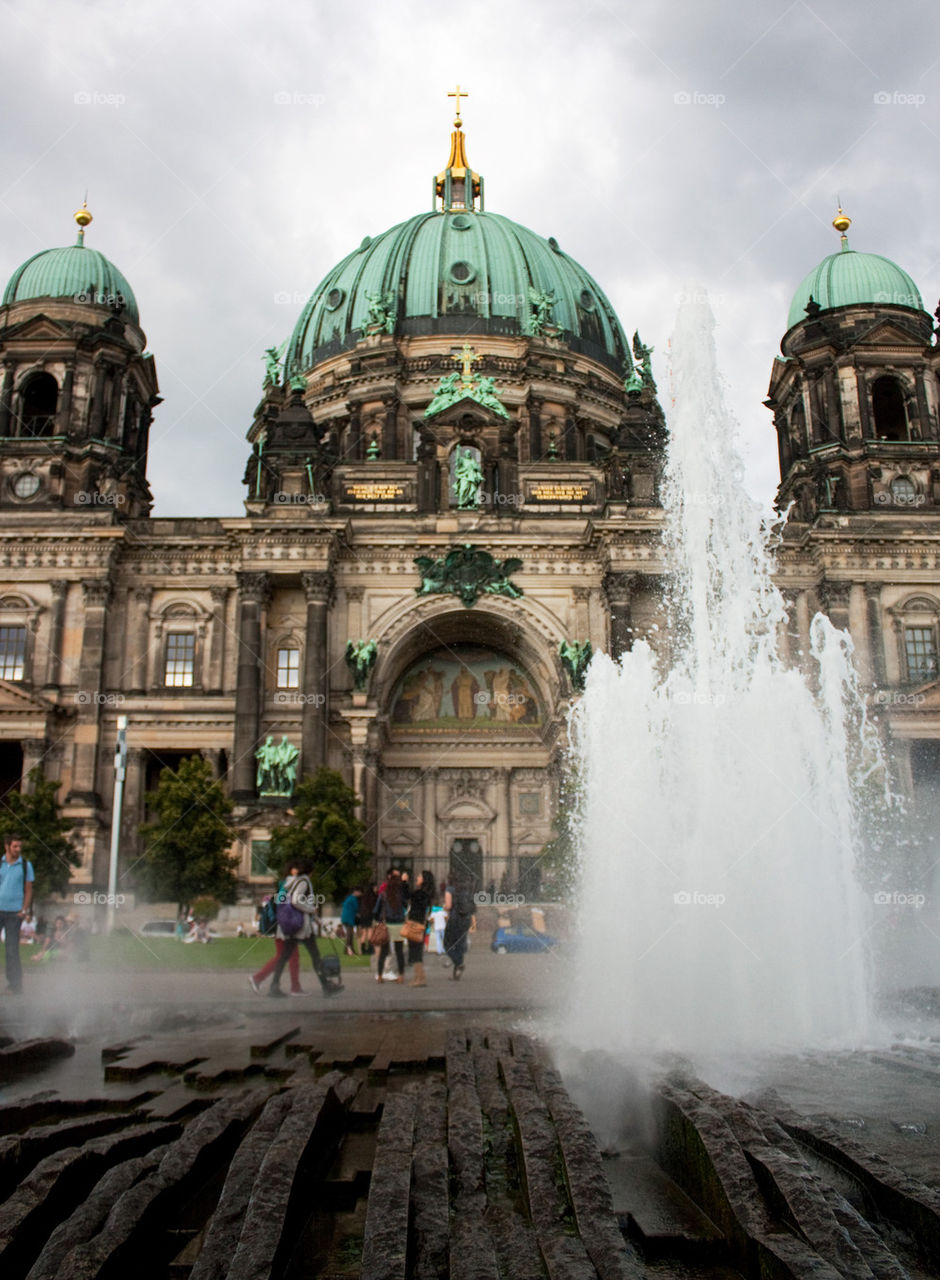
(16, 900)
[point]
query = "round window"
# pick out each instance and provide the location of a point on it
(26, 485)
(334, 298)
(587, 300)
(462, 272)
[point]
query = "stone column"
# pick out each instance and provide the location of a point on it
(429, 818)
(138, 625)
(876, 640)
(6, 399)
(133, 812)
(96, 417)
(370, 793)
(620, 589)
(59, 591)
(253, 591)
(858, 628)
(318, 588)
(215, 673)
(354, 597)
(34, 755)
(97, 593)
(835, 597)
(802, 627)
(582, 597)
(64, 409)
(389, 431)
(535, 430)
(213, 756)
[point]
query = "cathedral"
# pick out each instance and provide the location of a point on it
(452, 499)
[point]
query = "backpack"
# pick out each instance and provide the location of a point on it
(290, 919)
(267, 925)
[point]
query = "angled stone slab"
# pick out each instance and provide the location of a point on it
(22, 1054)
(430, 1189)
(20, 1153)
(58, 1184)
(385, 1242)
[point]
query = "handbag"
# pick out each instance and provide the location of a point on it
(379, 934)
(290, 919)
(413, 931)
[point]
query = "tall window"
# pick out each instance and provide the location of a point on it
(180, 659)
(40, 397)
(12, 653)
(887, 403)
(288, 668)
(920, 645)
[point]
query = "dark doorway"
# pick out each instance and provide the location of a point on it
(11, 769)
(887, 402)
(466, 859)
(40, 397)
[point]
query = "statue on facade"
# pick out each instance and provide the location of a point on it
(272, 364)
(360, 659)
(277, 767)
(381, 313)
(642, 354)
(468, 476)
(541, 319)
(575, 657)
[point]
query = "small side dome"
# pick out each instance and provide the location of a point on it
(848, 278)
(84, 275)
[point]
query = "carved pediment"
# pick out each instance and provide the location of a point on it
(14, 699)
(38, 327)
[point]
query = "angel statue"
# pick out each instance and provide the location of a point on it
(272, 364)
(361, 658)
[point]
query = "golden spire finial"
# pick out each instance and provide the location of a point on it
(458, 94)
(82, 217)
(842, 224)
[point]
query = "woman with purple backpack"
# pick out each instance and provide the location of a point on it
(296, 912)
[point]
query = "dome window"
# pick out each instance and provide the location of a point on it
(334, 298)
(462, 273)
(40, 397)
(26, 485)
(587, 300)
(887, 404)
(460, 222)
(554, 245)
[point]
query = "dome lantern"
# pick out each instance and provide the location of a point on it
(457, 187)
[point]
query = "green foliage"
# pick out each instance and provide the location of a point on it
(205, 908)
(46, 836)
(560, 856)
(325, 832)
(186, 845)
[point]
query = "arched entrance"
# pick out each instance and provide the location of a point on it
(468, 723)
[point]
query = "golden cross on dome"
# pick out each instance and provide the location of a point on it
(466, 358)
(458, 94)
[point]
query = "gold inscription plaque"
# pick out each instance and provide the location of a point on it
(374, 491)
(560, 493)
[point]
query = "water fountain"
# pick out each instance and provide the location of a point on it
(720, 903)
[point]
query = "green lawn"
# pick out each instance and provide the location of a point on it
(129, 952)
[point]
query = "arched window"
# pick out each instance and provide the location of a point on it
(40, 396)
(887, 405)
(798, 427)
(288, 667)
(904, 492)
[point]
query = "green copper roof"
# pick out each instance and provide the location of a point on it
(457, 273)
(846, 278)
(72, 272)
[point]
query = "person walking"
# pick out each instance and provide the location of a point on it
(349, 914)
(298, 893)
(458, 903)
(16, 900)
(419, 908)
(267, 928)
(390, 911)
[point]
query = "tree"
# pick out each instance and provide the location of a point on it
(560, 856)
(324, 832)
(186, 845)
(47, 841)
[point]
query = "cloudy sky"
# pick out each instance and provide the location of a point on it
(233, 154)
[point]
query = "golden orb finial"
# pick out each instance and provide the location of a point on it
(841, 222)
(82, 217)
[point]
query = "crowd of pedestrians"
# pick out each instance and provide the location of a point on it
(394, 918)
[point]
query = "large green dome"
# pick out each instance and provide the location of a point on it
(73, 272)
(456, 272)
(848, 278)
